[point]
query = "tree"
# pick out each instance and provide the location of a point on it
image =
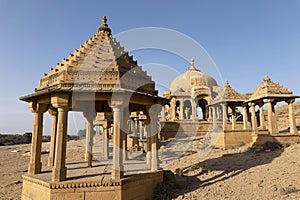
(81, 133)
(26, 138)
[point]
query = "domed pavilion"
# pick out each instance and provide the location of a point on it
(190, 94)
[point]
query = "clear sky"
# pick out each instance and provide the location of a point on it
(246, 39)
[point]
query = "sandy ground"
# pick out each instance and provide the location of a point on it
(230, 174)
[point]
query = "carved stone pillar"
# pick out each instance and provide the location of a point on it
(141, 131)
(214, 117)
(220, 112)
(124, 133)
(233, 118)
(59, 172)
(225, 115)
(245, 117)
(117, 166)
(172, 109)
(105, 141)
(194, 110)
(181, 110)
(35, 164)
(253, 118)
(272, 124)
(147, 134)
(135, 133)
(53, 112)
(152, 135)
(261, 116)
(97, 129)
(149, 143)
(293, 128)
(210, 114)
(90, 115)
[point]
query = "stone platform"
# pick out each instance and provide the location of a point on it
(84, 183)
(184, 128)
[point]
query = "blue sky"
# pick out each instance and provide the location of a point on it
(246, 39)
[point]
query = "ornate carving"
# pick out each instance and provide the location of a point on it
(100, 63)
(268, 88)
(229, 94)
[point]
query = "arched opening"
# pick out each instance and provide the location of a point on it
(177, 110)
(202, 109)
(187, 109)
(199, 113)
(167, 112)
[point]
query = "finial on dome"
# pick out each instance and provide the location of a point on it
(104, 27)
(267, 78)
(192, 64)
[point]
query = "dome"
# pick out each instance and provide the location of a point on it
(192, 78)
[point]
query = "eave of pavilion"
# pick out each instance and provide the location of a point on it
(274, 97)
(82, 97)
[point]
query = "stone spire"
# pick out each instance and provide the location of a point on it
(227, 83)
(267, 78)
(104, 27)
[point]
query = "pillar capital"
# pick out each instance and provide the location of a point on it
(292, 100)
(104, 125)
(52, 111)
(89, 114)
(268, 100)
(251, 104)
(60, 101)
(63, 109)
(261, 104)
(37, 107)
(116, 104)
(223, 104)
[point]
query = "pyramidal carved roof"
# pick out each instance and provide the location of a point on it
(101, 63)
(228, 94)
(269, 89)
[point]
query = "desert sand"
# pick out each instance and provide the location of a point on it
(222, 174)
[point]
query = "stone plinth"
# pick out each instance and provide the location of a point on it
(263, 137)
(236, 138)
(184, 128)
(140, 186)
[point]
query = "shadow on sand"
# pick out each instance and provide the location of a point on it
(221, 168)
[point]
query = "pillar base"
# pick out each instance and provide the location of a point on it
(148, 159)
(59, 174)
(117, 174)
(105, 157)
(34, 168)
(125, 155)
(154, 165)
